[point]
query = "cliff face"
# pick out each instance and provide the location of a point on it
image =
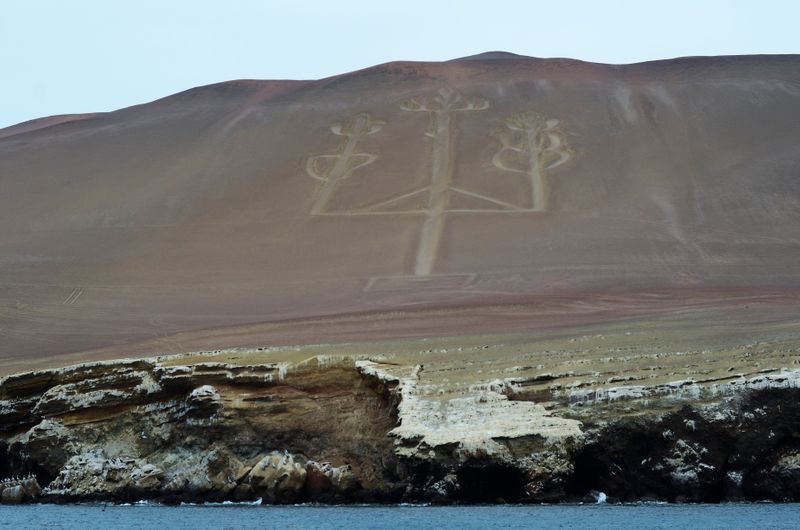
(209, 431)
(345, 430)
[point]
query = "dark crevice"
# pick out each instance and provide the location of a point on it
(485, 482)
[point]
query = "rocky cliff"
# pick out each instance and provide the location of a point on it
(346, 429)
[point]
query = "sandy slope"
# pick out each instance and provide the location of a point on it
(489, 194)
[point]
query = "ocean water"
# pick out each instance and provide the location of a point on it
(155, 517)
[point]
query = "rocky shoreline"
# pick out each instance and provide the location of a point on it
(359, 430)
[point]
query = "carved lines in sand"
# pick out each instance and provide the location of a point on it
(73, 296)
(331, 169)
(530, 144)
(440, 108)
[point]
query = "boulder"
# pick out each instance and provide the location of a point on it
(147, 477)
(12, 495)
(202, 475)
(48, 444)
(16, 491)
(277, 478)
(95, 475)
(324, 479)
(203, 401)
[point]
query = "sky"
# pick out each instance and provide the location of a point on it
(75, 56)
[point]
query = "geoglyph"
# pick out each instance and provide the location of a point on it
(529, 145)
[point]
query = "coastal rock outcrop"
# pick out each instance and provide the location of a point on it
(341, 430)
(200, 432)
(19, 490)
(277, 478)
(94, 474)
(480, 446)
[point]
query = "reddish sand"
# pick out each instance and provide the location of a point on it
(488, 194)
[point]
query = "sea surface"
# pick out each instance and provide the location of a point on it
(156, 517)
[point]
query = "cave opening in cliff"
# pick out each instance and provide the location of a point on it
(589, 473)
(491, 483)
(4, 460)
(12, 465)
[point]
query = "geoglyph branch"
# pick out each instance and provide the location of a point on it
(441, 106)
(333, 168)
(530, 144)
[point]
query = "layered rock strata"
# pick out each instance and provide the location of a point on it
(341, 430)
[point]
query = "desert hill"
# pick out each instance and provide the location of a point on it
(490, 193)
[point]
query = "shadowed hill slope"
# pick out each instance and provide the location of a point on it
(409, 199)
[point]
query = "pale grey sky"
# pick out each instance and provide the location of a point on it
(60, 56)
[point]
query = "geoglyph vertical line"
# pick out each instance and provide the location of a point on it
(539, 144)
(331, 169)
(440, 108)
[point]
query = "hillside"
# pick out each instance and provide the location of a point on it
(486, 194)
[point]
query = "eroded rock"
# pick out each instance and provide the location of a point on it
(95, 475)
(207, 474)
(335, 430)
(19, 490)
(47, 445)
(324, 480)
(277, 478)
